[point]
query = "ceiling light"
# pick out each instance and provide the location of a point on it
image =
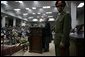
(30, 17)
(80, 5)
(46, 6)
(25, 14)
(38, 13)
(35, 19)
(33, 7)
(19, 1)
(51, 19)
(16, 9)
(48, 12)
(27, 8)
(4, 2)
(41, 20)
(36, 2)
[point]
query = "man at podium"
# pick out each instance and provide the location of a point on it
(47, 36)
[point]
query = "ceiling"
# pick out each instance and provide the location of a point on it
(79, 10)
(40, 12)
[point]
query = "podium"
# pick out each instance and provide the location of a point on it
(35, 40)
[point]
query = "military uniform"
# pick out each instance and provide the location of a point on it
(62, 30)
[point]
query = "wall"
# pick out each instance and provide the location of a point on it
(80, 19)
(73, 15)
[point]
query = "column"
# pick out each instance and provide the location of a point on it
(73, 14)
(21, 22)
(14, 22)
(3, 21)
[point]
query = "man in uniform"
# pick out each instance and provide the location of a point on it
(62, 30)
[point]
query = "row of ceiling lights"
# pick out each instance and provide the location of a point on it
(37, 13)
(41, 17)
(44, 7)
(5, 2)
(21, 2)
(31, 10)
(33, 13)
(51, 19)
(40, 20)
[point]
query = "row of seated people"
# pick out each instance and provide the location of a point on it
(13, 36)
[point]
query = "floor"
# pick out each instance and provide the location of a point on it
(50, 53)
(27, 53)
